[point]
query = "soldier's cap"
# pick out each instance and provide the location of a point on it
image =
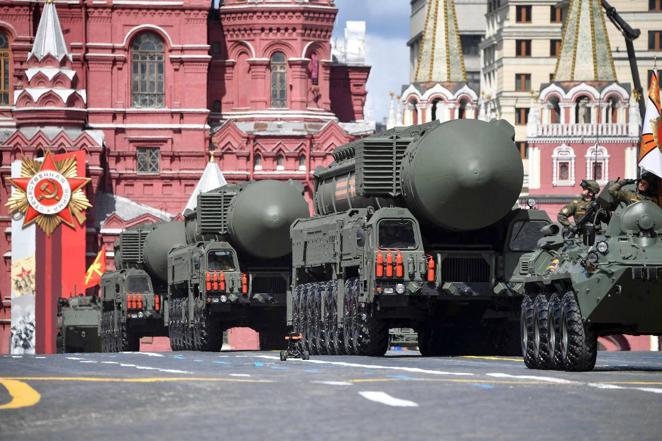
(590, 185)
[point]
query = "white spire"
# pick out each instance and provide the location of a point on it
(49, 38)
(211, 178)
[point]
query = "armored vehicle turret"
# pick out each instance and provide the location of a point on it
(78, 324)
(134, 294)
(411, 224)
(604, 279)
(235, 268)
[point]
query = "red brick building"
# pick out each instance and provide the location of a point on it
(149, 88)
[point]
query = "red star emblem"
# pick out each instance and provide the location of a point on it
(48, 193)
(24, 273)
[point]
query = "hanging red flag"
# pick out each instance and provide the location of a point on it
(96, 270)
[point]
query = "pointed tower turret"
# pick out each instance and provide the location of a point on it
(581, 127)
(585, 51)
(439, 90)
(50, 95)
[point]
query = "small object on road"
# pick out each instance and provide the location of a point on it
(294, 348)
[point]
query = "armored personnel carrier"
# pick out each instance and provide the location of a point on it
(134, 294)
(235, 267)
(414, 228)
(78, 324)
(604, 278)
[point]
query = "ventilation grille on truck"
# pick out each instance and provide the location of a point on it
(132, 242)
(465, 269)
(213, 209)
(269, 285)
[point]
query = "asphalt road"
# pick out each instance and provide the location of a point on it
(254, 396)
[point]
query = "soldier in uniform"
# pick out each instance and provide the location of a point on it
(646, 189)
(577, 207)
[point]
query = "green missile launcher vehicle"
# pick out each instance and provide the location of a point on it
(78, 324)
(414, 228)
(134, 295)
(235, 267)
(603, 278)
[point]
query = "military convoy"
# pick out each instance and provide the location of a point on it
(78, 324)
(226, 265)
(604, 278)
(414, 228)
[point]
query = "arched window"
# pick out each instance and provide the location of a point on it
(257, 162)
(314, 69)
(554, 110)
(413, 109)
(278, 80)
(302, 162)
(582, 110)
(147, 67)
(462, 111)
(613, 105)
(4, 69)
(597, 164)
(563, 159)
(435, 109)
(280, 162)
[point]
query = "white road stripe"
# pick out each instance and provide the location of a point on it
(605, 386)
(649, 389)
(173, 371)
(532, 377)
(74, 358)
(240, 375)
(370, 366)
(384, 398)
(127, 365)
(88, 361)
(333, 383)
(110, 362)
(148, 354)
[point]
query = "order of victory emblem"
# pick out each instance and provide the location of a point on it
(49, 193)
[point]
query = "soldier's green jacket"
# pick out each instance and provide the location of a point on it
(628, 196)
(576, 209)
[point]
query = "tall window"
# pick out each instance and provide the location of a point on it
(583, 110)
(257, 162)
(522, 82)
(655, 5)
(148, 160)
(521, 116)
(280, 162)
(563, 159)
(655, 40)
(554, 110)
(302, 162)
(523, 148)
(462, 110)
(597, 164)
(147, 71)
(554, 48)
(523, 48)
(278, 80)
(523, 14)
(611, 112)
(4, 69)
(555, 14)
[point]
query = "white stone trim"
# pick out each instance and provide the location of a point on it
(135, 30)
(563, 153)
(147, 126)
(279, 114)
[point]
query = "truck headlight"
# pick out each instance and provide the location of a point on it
(400, 288)
(592, 258)
(602, 247)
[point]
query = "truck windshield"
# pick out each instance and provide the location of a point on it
(138, 284)
(220, 260)
(526, 235)
(396, 234)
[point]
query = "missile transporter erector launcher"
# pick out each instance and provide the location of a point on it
(605, 279)
(235, 267)
(415, 228)
(134, 295)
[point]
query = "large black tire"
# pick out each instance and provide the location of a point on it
(527, 334)
(554, 321)
(130, 340)
(336, 344)
(350, 328)
(306, 319)
(544, 351)
(105, 343)
(430, 341)
(373, 337)
(320, 337)
(579, 345)
(272, 339)
(211, 335)
(173, 324)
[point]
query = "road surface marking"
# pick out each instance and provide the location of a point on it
(22, 395)
(649, 389)
(74, 358)
(110, 362)
(148, 354)
(333, 383)
(137, 380)
(369, 366)
(384, 398)
(605, 386)
(475, 357)
(533, 377)
(240, 375)
(89, 361)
